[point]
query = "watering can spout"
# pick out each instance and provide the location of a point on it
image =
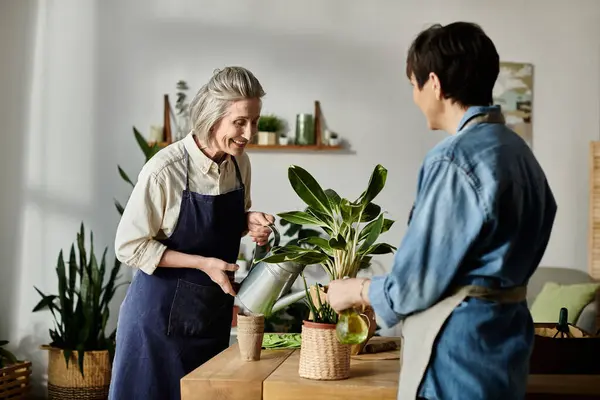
(288, 300)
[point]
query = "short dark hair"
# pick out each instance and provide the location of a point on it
(462, 56)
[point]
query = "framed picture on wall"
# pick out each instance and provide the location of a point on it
(514, 93)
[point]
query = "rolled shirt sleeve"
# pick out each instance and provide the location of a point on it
(445, 221)
(141, 221)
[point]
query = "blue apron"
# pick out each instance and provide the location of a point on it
(176, 319)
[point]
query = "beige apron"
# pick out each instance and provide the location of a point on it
(419, 331)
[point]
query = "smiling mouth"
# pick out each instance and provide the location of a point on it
(239, 143)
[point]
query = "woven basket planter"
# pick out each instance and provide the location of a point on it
(322, 356)
(67, 383)
(14, 381)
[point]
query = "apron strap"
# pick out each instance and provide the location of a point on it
(515, 294)
(238, 174)
(187, 169)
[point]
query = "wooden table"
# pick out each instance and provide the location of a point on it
(275, 377)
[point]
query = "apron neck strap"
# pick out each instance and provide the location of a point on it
(238, 174)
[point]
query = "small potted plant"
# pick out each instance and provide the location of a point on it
(14, 375)
(268, 127)
(334, 139)
(283, 139)
(80, 350)
(322, 356)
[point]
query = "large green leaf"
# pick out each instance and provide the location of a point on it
(300, 217)
(370, 212)
(334, 199)
(375, 186)
(320, 243)
(309, 190)
(387, 224)
(379, 248)
(338, 243)
(350, 211)
(374, 233)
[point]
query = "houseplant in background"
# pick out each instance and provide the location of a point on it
(80, 350)
(351, 230)
(149, 151)
(268, 127)
(182, 121)
(14, 375)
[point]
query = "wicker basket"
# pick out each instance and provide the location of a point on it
(322, 356)
(573, 355)
(14, 381)
(67, 383)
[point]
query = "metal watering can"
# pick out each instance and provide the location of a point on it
(260, 292)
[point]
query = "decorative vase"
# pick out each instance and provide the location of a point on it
(15, 381)
(322, 356)
(334, 141)
(305, 129)
(267, 138)
(67, 383)
(370, 314)
(283, 140)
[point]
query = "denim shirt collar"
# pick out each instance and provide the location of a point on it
(491, 114)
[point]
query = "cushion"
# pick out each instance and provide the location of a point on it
(547, 305)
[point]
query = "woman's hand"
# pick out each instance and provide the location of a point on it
(343, 294)
(258, 226)
(216, 269)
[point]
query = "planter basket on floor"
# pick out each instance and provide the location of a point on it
(322, 356)
(14, 381)
(67, 383)
(553, 354)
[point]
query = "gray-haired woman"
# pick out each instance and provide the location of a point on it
(182, 228)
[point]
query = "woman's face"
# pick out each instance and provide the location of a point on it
(232, 133)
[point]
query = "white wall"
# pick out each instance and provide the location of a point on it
(97, 68)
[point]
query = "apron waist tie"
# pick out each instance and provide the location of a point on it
(514, 294)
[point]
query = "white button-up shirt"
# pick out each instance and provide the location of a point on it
(152, 210)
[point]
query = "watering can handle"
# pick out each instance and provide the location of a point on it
(276, 235)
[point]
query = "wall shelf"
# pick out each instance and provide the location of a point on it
(280, 147)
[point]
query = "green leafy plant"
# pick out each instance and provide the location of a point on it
(270, 123)
(6, 357)
(81, 307)
(321, 312)
(351, 227)
(149, 151)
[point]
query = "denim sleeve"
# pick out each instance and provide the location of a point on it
(446, 219)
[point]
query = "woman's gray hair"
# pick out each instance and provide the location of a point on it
(210, 103)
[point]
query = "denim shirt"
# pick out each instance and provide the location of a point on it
(483, 215)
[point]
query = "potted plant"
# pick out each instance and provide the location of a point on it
(149, 151)
(283, 139)
(80, 350)
(14, 375)
(268, 126)
(351, 230)
(322, 356)
(334, 139)
(182, 121)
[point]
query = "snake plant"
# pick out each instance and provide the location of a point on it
(81, 307)
(351, 227)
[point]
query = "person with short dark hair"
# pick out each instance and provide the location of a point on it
(480, 224)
